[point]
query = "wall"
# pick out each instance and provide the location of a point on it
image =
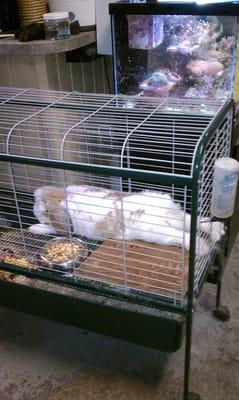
(53, 72)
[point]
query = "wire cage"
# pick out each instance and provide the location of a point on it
(112, 195)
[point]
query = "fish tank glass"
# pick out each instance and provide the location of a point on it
(186, 50)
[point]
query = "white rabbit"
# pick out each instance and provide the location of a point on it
(99, 213)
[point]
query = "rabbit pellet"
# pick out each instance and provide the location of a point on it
(60, 252)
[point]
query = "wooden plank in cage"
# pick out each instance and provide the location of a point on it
(143, 266)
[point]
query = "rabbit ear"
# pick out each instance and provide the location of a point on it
(48, 193)
(61, 221)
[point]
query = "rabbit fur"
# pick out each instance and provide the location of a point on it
(99, 213)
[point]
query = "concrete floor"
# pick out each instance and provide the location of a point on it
(41, 360)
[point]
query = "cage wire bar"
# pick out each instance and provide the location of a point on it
(117, 132)
(131, 178)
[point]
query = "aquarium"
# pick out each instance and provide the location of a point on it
(186, 50)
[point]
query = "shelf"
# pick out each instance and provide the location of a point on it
(41, 47)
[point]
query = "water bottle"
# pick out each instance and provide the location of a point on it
(226, 174)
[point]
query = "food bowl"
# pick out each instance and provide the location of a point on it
(63, 254)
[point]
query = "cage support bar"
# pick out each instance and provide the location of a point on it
(146, 176)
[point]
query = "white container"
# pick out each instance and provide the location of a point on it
(57, 25)
(226, 173)
(84, 10)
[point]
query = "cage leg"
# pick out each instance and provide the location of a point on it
(220, 266)
(221, 312)
(186, 394)
(187, 361)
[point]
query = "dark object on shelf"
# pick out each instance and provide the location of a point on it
(9, 21)
(75, 27)
(33, 31)
(88, 28)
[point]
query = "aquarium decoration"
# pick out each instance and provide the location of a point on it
(161, 82)
(145, 31)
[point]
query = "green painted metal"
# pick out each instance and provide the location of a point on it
(145, 176)
(94, 288)
(108, 318)
(190, 298)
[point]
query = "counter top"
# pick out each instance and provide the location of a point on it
(40, 47)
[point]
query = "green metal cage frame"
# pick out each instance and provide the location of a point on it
(166, 329)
